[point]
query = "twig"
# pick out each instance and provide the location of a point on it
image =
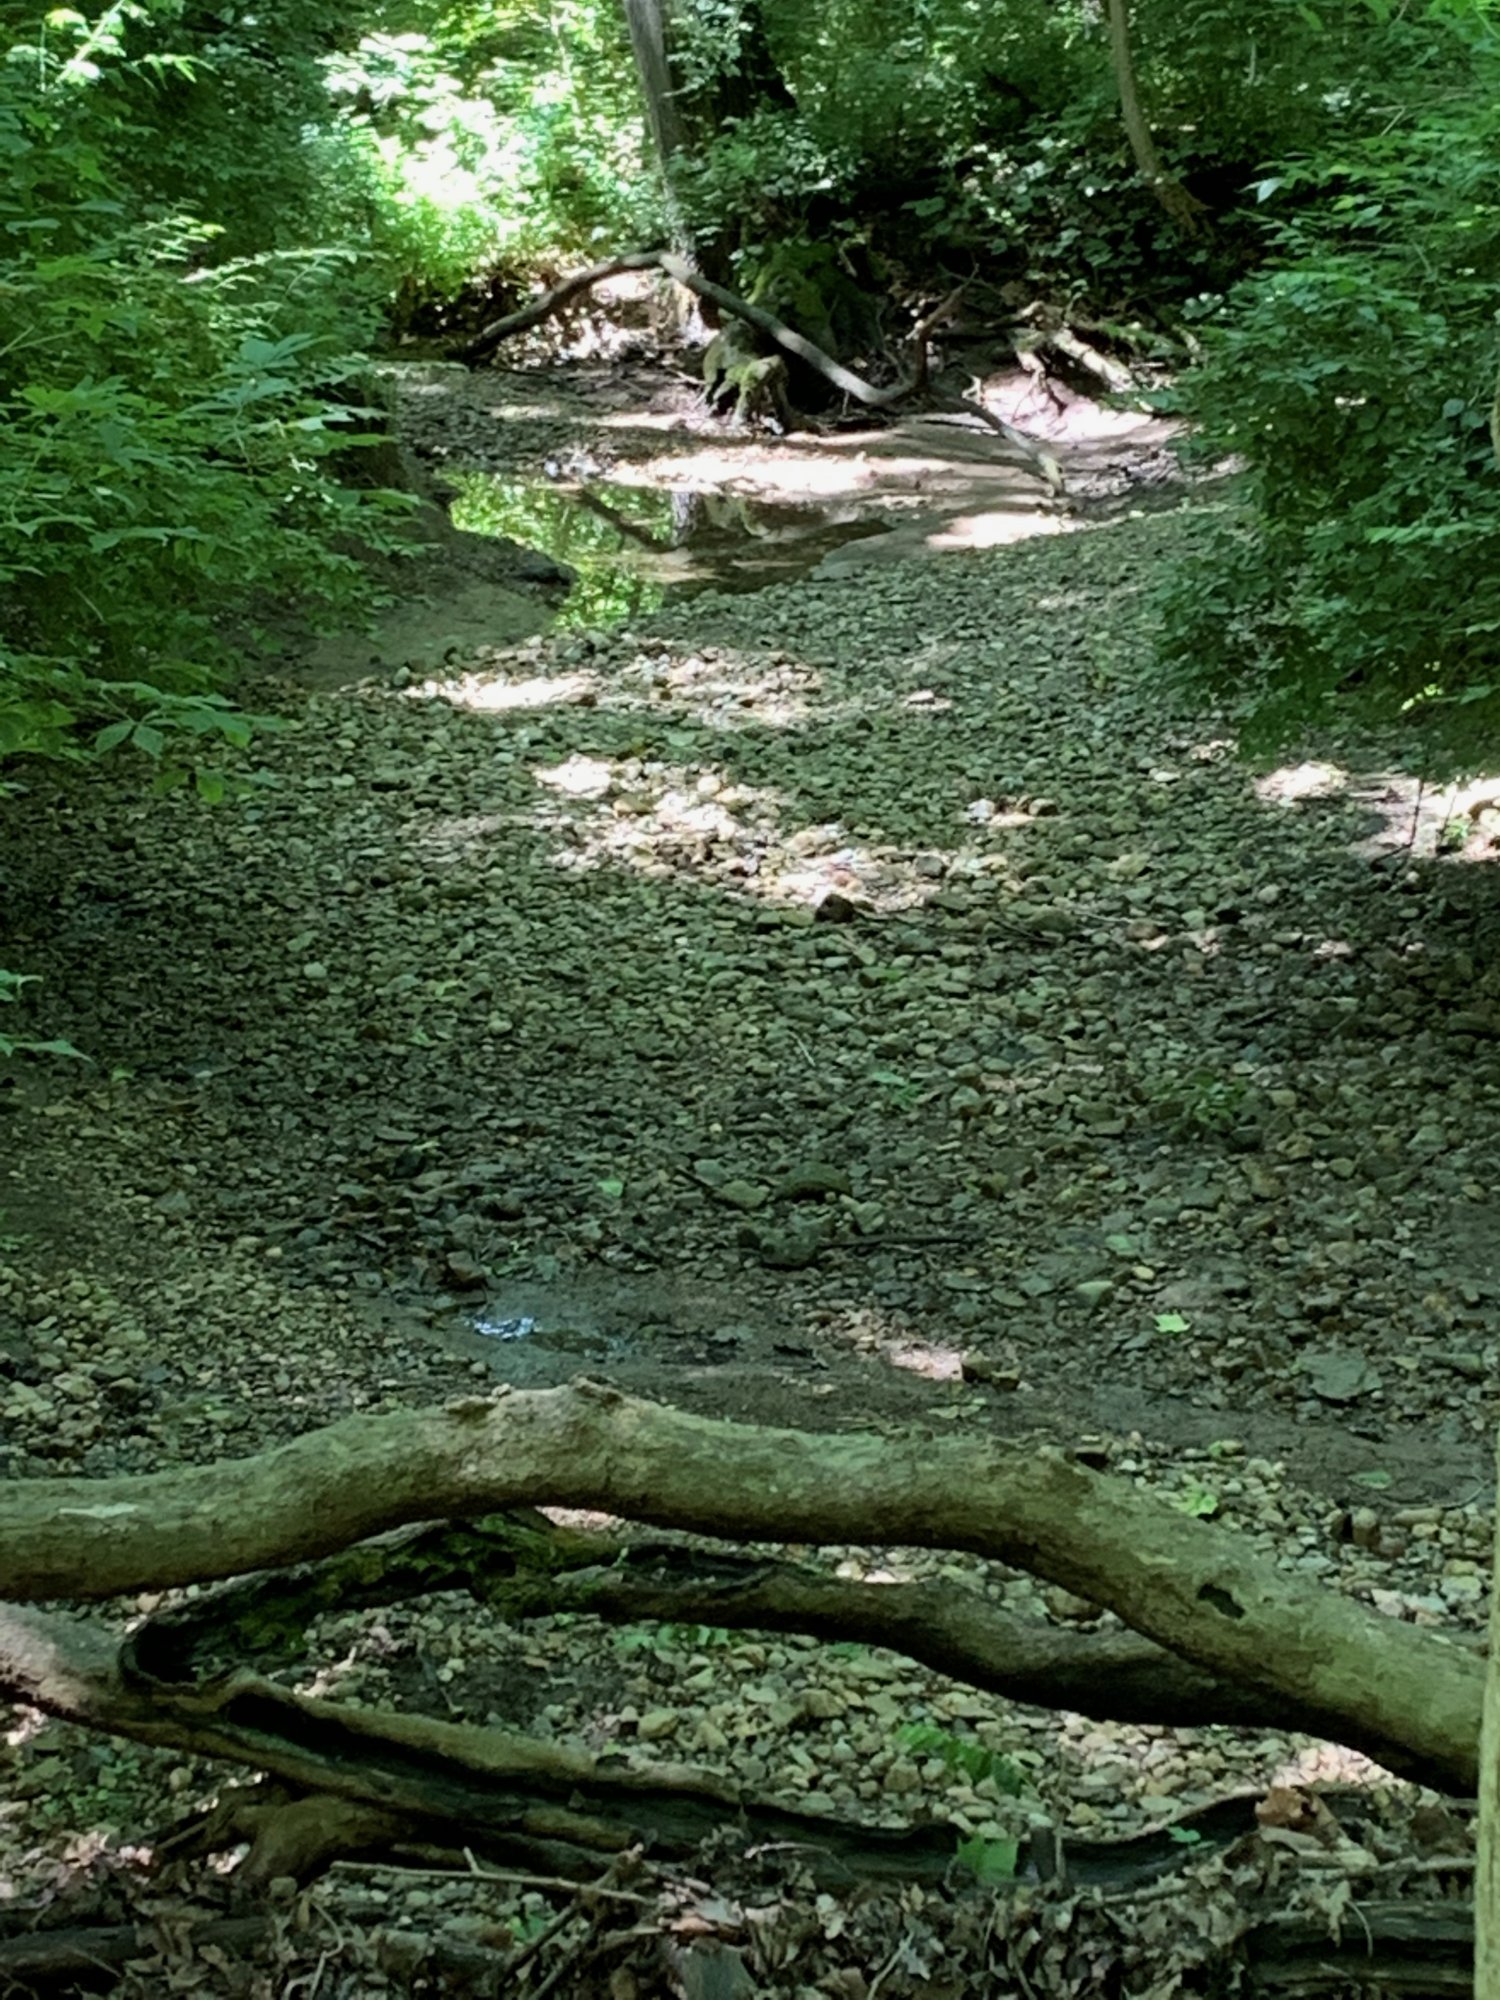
(888, 1966)
(477, 1870)
(528, 1951)
(570, 1958)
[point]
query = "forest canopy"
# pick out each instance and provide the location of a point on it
(212, 215)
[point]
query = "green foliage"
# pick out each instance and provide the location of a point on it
(11, 984)
(487, 138)
(1359, 584)
(962, 1755)
(1202, 1103)
(668, 1638)
(171, 419)
(990, 1861)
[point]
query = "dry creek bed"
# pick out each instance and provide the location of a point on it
(873, 1000)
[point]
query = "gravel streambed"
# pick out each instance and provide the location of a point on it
(867, 1001)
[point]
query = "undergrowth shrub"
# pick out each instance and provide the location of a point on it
(168, 422)
(1358, 582)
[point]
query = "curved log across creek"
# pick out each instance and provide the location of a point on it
(1308, 1657)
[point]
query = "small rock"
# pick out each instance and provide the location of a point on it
(746, 1195)
(1338, 1378)
(784, 1249)
(812, 1181)
(1067, 1607)
(1364, 1528)
(1003, 1375)
(823, 1705)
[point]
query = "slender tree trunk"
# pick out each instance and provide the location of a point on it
(647, 21)
(1185, 209)
(683, 121)
(1487, 1873)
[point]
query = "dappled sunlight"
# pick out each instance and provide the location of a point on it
(934, 1363)
(696, 824)
(1301, 781)
(713, 688)
(1407, 816)
(990, 529)
(578, 777)
(488, 694)
(808, 471)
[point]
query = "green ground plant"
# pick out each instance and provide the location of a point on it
(1357, 583)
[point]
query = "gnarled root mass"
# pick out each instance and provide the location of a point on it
(782, 337)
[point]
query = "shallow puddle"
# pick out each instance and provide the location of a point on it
(633, 547)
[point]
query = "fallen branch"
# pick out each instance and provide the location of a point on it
(1351, 1674)
(1423, 1950)
(42, 1957)
(523, 1566)
(489, 338)
(1115, 376)
(855, 387)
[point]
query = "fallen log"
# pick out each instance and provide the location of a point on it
(527, 316)
(1403, 1695)
(523, 1566)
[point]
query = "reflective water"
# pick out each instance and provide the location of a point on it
(634, 546)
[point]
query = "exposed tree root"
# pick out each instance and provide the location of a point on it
(507, 1795)
(855, 387)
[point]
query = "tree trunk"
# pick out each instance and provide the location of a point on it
(1352, 1675)
(647, 21)
(1487, 1873)
(1185, 209)
(682, 121)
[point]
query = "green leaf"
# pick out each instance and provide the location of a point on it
(11, 1047)
(146, 736)
(612, 1188)
(1375, 1481)
(1184, 1836)
(110, 737)
(1172, 1323)
(990, 1860)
